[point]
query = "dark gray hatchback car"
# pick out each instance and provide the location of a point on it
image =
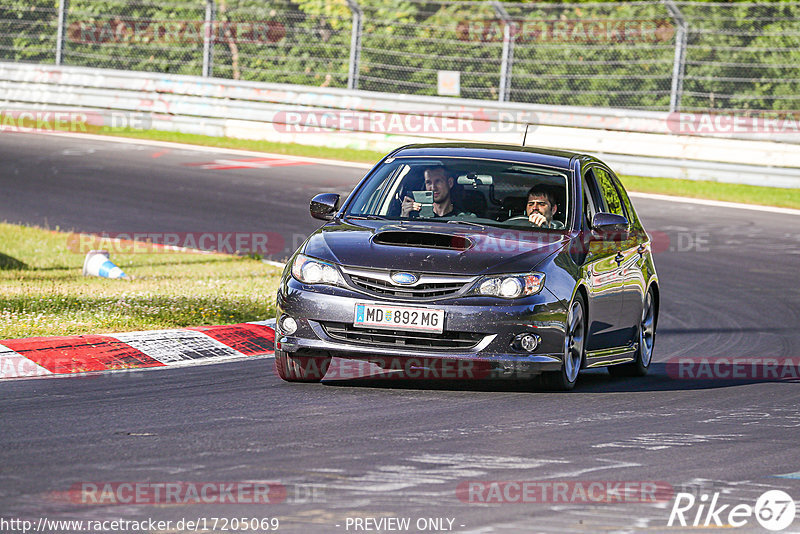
(470, 261)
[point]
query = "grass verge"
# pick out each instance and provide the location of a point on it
(43, 293)
(290, 149)
(748, 194)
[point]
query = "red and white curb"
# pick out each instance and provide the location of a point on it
(63, 355)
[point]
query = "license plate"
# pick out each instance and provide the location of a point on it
(399, 318)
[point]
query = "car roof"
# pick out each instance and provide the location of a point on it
(527, 154)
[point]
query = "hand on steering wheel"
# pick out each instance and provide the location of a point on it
(519, 220)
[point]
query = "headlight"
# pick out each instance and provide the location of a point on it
(510, 286)
(311, 271)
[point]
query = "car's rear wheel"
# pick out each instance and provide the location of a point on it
(565, 378)
(301, 368)
(647, 340)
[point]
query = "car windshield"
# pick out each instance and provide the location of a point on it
(486, 192)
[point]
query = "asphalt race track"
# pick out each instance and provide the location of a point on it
(375, 448)
(93, 186)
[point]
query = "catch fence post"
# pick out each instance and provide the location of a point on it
(355, 44)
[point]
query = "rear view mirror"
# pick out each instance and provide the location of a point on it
(324, 205)
(475, 179)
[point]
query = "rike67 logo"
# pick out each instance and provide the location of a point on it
(774, 510)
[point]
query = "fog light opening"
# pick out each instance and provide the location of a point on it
(288, 325)
(527, 342)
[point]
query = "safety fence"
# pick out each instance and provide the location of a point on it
(652, 55)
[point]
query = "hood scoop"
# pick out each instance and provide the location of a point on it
(422, 239)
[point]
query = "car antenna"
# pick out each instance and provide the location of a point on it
(524, 137)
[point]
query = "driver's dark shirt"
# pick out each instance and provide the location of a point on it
(455, 212)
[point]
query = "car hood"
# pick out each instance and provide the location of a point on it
(434, 247)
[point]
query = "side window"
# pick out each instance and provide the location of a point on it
(605, 182)
(592, 201)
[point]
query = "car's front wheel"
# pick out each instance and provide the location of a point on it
(301, 368)
(647, 340)
(574, 338)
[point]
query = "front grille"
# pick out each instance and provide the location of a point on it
(420, 291)
(401, 339)
(378, 283)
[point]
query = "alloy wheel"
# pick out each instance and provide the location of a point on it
(573, 343)
(647, 330)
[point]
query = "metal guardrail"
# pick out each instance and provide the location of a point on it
(636, 142)
(569, 116)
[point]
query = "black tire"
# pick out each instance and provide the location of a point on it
(301, 368)
(574, 348)
(647, 341)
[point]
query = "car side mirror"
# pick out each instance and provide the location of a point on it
(324, 205)
(610, 225)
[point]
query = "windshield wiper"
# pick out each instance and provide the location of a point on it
(366, 217)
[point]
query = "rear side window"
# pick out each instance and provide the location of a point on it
(626, 201)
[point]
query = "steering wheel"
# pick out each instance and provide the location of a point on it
(519, 220)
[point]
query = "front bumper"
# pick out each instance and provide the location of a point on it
(493, 323)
